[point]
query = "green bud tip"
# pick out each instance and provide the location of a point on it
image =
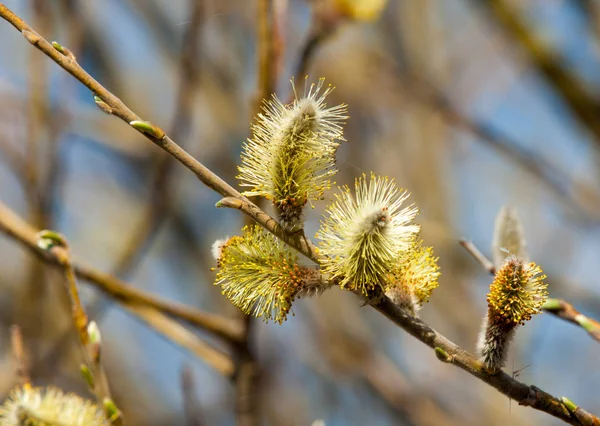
(111, 409)
(87, 376)
(62, 49)
(587, 324)
(47, 239)
(58, 47)
(102, 105)
(94, 333)
(442, 355)
(571, 406)
(148, 128)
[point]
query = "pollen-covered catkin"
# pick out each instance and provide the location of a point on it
(290, 158)
(517, 293)
(260, 275)
(366, 235)
(411, 285)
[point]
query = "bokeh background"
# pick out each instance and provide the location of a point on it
(470, 105)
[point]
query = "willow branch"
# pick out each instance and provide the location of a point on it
(163, 141)
(15, 227)
(524, 394)
(449, 352)
(557, 307)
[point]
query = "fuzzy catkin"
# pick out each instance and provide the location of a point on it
(260, 274)
(492, 345)
(49, 407)
(367, 235)
(290, 158)
(516, 295)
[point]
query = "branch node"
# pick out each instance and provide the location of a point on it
(532, 397)
(442, 355)
(148, 128)
(88, 376)
(102, 105)
(31, 37)
(66, 52)
(230, 202)
(112, 411)
(570, 405)
(46, 240)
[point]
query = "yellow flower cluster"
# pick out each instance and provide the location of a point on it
(370, 241)
(517, 293)
(259, 274)
(419, 274)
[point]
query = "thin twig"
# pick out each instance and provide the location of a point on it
(181, 336)
(57, 245)
(12, 225)
(566, 311)
(18, 349)
(246, 376)
(478, 256)
(264, 22)
(524, 394)
(190, 399)
(557, 307)
(153, 317)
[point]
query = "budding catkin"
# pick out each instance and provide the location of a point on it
(516, 294)
(290, 158)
